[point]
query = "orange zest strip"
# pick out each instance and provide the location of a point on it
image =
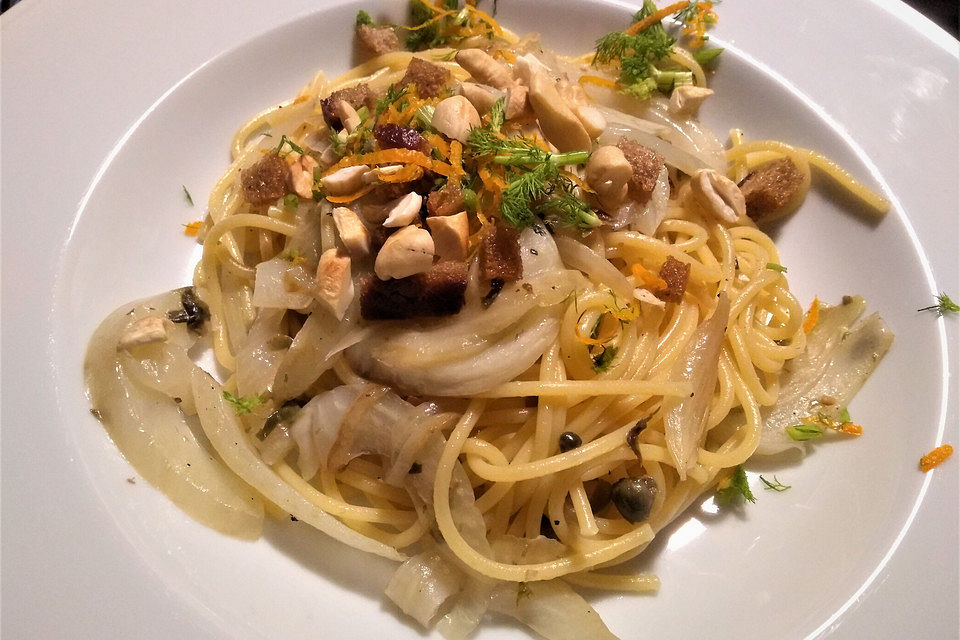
(393, 156)
(812, 316)
(606, 331)
(455, 157)
(851, 429)
(600, 82)
(935, 457)
(656, 17)
(351, 197)
(491, 181)
(483, 16)
(438, 143)
(577, 180)
(192, 228)
(649, 279)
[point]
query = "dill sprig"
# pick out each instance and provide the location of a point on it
(944, 305)
(737, 489)
(637, 55)
(776, 485)
(394, 94)
(497, 115)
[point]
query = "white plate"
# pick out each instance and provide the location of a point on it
(862, 544)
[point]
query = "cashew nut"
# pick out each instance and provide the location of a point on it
(687, 98)
(403, 210)
(481, 96)
(301, 176)
(578, 100)
(559, 124)
(592, 120)
(484, 68)
(405, 253)
(450, 235)
(376, 174)
(144, 331)
(608, 173)
(344, 181)
(527, 66)
(718, 194)
(454, 117)
(334, 284)
(348, 115)
(516, 101)
(353, 233)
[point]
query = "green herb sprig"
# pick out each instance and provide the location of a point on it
(737, 490)
(243, 404)
(776, 485)
(944, 305)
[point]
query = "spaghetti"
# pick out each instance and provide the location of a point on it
(437, 441)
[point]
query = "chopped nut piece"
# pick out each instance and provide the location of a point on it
(450, 235)
(454, 117)
(718, 195)
(484, 68)
(334, 284)
(406, 252)
(403, 210)
(344, 181)
(353, 233)
(559, 124)
(144, 331)
(608, 173)
(686, 99)
(301, 176)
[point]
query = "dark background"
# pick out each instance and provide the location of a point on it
(945, 13)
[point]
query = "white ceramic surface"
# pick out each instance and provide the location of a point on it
(108, 107)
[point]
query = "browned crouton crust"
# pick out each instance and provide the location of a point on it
(438, 292)
(446, 201)
(675, 274)
(265, 181)
(377, 40)
(428, 78)
(500, 254)
(769, 187)
(646, 164)
(356, 97)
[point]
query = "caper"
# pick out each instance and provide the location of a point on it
(193, 312)
(569, 440)
(283, 415)
(633, 497)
